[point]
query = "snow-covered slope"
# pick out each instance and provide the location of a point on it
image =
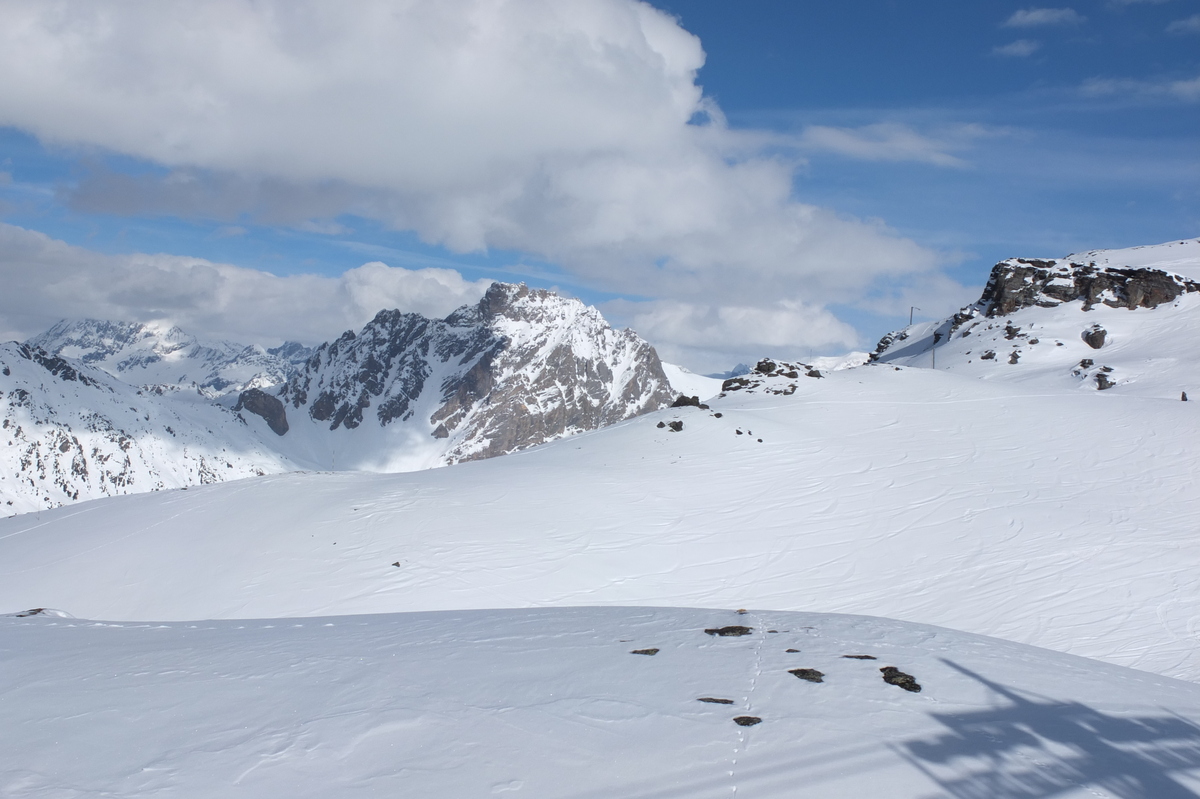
(72, 432)
(166, 359)
(557, 704)
(1116, 321)
(1063, 519)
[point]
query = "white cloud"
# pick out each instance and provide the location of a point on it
(1186, 90)
(1189, 25)
(883, 142)
(1040, 17)
(1021, 48)
(552, 128)
(46, 280)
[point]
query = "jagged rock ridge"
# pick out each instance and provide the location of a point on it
(520, 367)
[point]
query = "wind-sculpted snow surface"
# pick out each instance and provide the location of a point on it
(566, 704)
(72, 432)
(1059, 518)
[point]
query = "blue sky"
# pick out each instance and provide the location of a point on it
(974, 131)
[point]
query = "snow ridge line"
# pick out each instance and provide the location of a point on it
(747, 704)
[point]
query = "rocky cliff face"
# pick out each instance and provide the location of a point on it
(1021, 283)
(521, 367)
(166, 359)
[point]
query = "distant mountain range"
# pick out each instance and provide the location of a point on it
(94, 408)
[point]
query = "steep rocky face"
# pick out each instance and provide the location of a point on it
(1021, 283)
(260, 403)
(167, 359)
(520, 367)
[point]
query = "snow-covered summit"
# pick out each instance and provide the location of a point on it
(520, 367)
(1124, 319)
(165, 358)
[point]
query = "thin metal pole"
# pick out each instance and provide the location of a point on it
(911, 308)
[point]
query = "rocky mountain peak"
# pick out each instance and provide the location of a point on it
(520, 367)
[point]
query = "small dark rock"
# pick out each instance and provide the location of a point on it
(893, 676)
(747, 721)
(1183, 396)
(793, 651)
(791, 373)
(396, 564)
(730, 631)
(718, 415)
(739, 432)
(988, 356)
(1102, 381)
(811, 675)
(734, 384)
(860, 657)
(661, 425)
(772, 631)
(1094, 336)
(765, 367)
(1015, 356)
(1086, 363)
(814, 373)
(675, 427)
(713, 700)
(650, 651)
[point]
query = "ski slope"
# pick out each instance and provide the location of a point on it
(554, 703)
(1060, 518)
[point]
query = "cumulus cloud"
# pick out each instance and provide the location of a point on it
(46, 280)
(566, 130)
(1021, 48)
(1041, 17)
(1188, 25)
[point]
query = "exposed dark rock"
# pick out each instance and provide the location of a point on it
(1183, 396)
(811, 675)
(1086, 363)
(1094, 336)
(260, 403)
(661, 425)
(893, 676)
(713, 700)
(793, 651)
(747, 721)
(860, 657)
(814, 373)
(734, 384)
(1014, 356)
(988, 356)
(1021, 282)
(675, 427)
(683, 401)
(1102, 381)
(765, 367)
(650, 651)
(730, 631)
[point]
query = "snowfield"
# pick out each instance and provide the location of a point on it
(1063, 519)
(553, 703)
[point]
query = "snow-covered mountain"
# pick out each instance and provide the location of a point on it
(72, 432)
(519, 368)
(165, 359)
(1126, 320)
